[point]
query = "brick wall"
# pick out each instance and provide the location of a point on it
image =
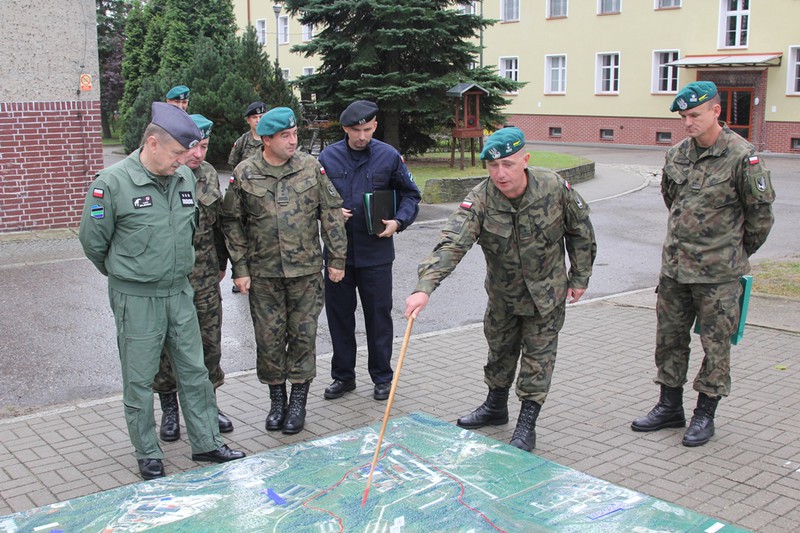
(49, 152)
(779, 137)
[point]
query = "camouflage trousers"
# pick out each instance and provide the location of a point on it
(533, 340)
(716, 307)
(285, 313)
(208, 303)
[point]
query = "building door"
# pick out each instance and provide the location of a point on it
(737, 109)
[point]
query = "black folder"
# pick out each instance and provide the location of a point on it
(379, 205)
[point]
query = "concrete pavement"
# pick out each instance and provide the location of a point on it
(748, 475)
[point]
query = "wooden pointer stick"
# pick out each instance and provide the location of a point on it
(403, 349)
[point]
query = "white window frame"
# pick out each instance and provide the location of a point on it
(510, 15)
(507, 70)
(793, 71)
(283, 29)
(609, 7)
(601, 70)
(667, 4)
(286, 73)
(471, 9)
(307, 32)
(658, 66)
(553, 10)
(261, 31)
(550, 69)
(308, 71)
(742, 18)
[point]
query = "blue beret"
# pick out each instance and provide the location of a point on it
(203, 124)
(503, 143)
(359, 112)
(275, 120)
(177, 123)
(256, 108)
(179, 92)
(693, 95)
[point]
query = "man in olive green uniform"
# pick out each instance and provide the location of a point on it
(719, 197)
(210, 261)
(249, 144)
(524, 219)
(136, 229)
(272, 215)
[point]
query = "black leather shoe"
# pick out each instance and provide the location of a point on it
(381, 391)
(338, 388)
(235, 289)
(223, 454)
(150, 468)
(225, 424)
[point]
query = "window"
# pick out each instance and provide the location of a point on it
(308, 71)
(664, 137)
(470, 9)
(509, 68)
(308, 32)
(734, 23)
(795, 143)
(666, 4)
(261, 31)
(607, 74)
(555, 131)
(286, 74)
(556, 8)
(283, 29)
(606, 7)
(665, 77)
(555, 74)
(793, 71)
(509, 10)
(607, 135)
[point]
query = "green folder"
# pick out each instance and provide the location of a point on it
(379, 205)
(744, 301)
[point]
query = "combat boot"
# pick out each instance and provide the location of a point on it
(296, 414)
(492, 412)
(277, 410)
(524, 436)
(170, 423)
(225, 424)
(667, 413)
(701, 428)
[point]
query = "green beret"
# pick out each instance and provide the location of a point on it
(177, 123)
(694, 94)
(503, 143)
(275, 120)
(179, 92)
(203, 124)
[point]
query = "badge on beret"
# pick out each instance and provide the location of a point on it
(98, 211)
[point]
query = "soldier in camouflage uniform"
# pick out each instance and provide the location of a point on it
(719, 197)
(524, 219)
(272, 214)
(211, 258)
(249, 144)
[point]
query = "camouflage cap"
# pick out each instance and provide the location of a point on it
(177, 123)
(203, 124)
(179, 92)
(693, 95)
(503, 143)
(275, 120)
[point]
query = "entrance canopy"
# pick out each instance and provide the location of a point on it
(728, 61)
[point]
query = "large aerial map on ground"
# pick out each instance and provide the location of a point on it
(432, 476)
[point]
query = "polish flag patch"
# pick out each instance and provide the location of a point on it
(231, 180)
(567, 185)
(322, 170)
(466, 205)
(98, 193)
(753, 159)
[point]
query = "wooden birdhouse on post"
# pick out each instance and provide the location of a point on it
(467, 124)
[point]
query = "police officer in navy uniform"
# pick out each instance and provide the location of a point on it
(356, 165)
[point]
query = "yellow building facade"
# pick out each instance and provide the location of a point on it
(606, 71)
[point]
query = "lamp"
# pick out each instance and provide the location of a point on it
(277, 9)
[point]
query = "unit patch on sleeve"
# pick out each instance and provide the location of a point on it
(143, 201)
(186, 199)
(98, 211)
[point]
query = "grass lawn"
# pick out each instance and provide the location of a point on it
(437, 165)
(781, 278)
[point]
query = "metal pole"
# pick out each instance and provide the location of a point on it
(277, 10)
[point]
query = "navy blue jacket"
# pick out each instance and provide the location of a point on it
(379, 167)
